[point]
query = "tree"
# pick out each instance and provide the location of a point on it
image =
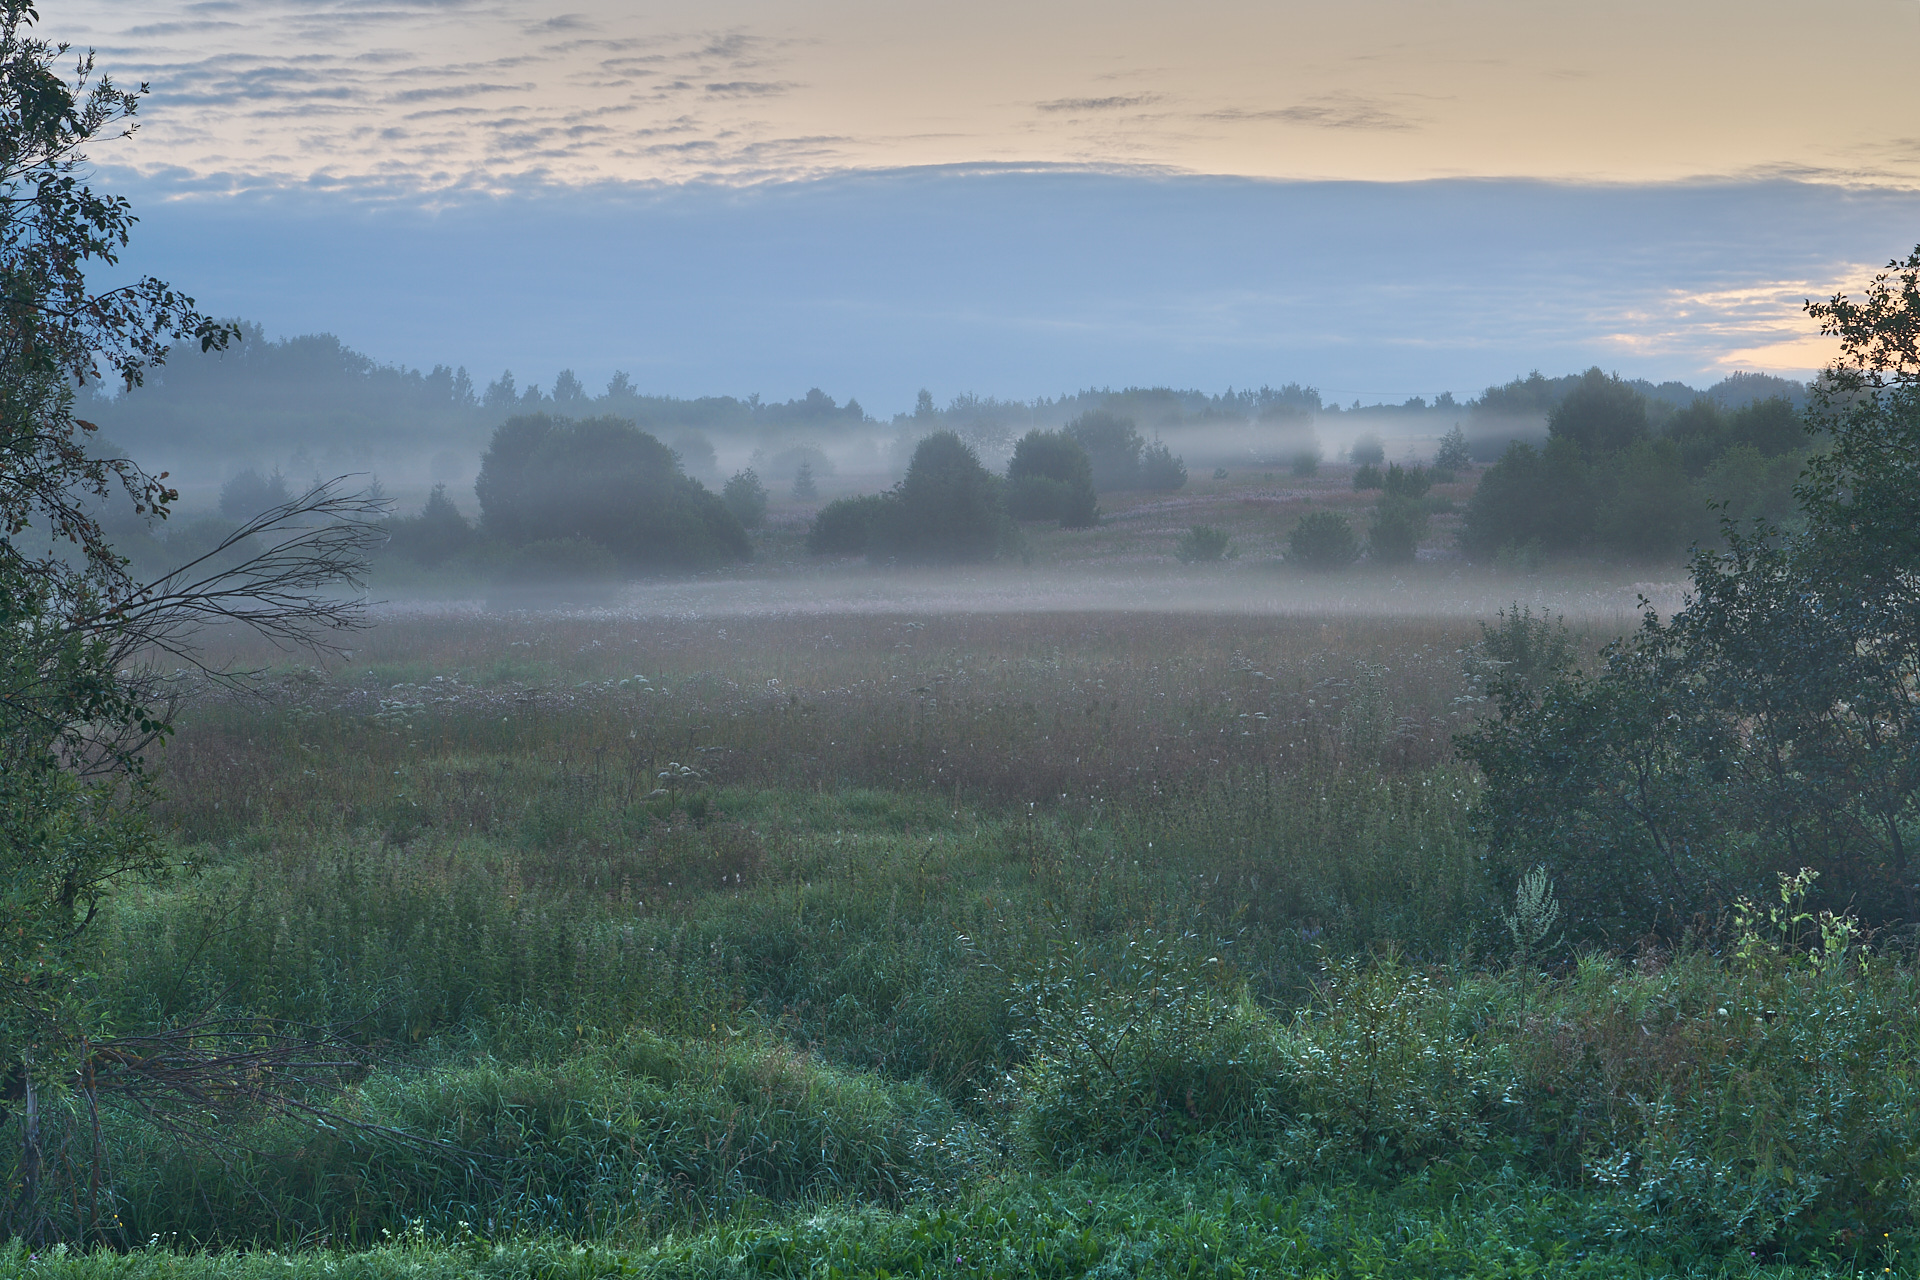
(434, 536)
(746, 497)
(545, 479)
(1453, 455)
(947, 509)
(81, 697)
(1323, 540)
(1601, 414)
(1050, 477)
(1160, 470)
(1398, 525)
(844, 527)
(1113, 447)
(1771, 724)
(804, 487)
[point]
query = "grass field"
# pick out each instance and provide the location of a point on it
(1017, 934)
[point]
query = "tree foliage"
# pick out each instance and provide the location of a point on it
(1050, 477)
(80, 693)
(606, 481)
(1771, 723)
(948, 509)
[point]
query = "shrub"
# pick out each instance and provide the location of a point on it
(1305, 464)
(1131, 1055)
(1649, 509)
(602, 480)
(1398, 526)
(1323, 540)
(1113, 447)
(746, 498)
(434, 536)
(804, 487)
(1600, 415)
(1201, 542)
(1160, 471)
(248, 493)
(1406, 482)
(1050, 477)
(1453, 454)
(1367, 451)
(1368, 477)
(845, 526)
(947, 510)
(1544, 495)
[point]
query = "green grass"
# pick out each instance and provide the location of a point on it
(1058, 945)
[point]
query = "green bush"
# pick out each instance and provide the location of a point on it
(746, 498)
(1050, 477)
(1398, 525)
(1406, 482)
(844, 526)
(1454, 454)
(1113, 446)
(1160, 470)
(1201, 542)
(947, 510)
(1132, 1054)
(1323, 540)
(1530, 495)
(602, 480)
(435, 536)
(1367, 451)
(1305, 464)
(1367, 477)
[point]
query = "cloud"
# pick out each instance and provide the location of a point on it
(1326, 111)
(748, 89)
(1118, 102)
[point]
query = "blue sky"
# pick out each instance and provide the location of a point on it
(1381, 198)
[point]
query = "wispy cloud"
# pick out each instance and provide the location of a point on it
(1118, 102)
(1325, 111)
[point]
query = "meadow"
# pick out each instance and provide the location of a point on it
(842, 942)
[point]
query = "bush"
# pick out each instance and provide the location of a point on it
(1050, 477)
(1453, 454)
(1305, 464)
(844, 526)
(1160, 471)
(605, 481)
(1601, 415)
(1368, 477)
(1113, 447)
(1201, 542)
(1367, 451)
(804, 487)
(1134, 1054)
(1406, 482)
(433, 537)
(1398, 526)
(248, 493)
(1323, 540)
(947, 510)
(1530, 495)
(746, 498)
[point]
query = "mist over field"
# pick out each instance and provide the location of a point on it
(807, 643)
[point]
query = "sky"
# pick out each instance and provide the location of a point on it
(1375, 196)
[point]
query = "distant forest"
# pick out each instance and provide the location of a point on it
(313, 405)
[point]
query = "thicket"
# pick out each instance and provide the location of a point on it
(1770, 724)
(947, 510)
(1050, 477)
(606, 482)
(1607, 481)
